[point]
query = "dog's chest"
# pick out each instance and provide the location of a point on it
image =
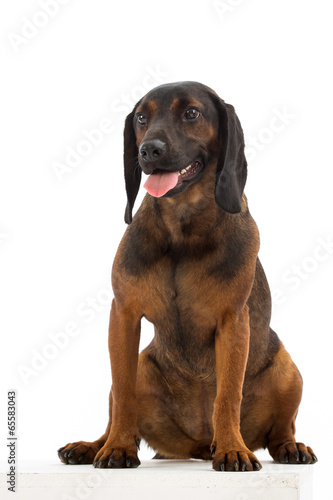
(181, 304)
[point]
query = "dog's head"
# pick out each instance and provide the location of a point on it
(174, 134)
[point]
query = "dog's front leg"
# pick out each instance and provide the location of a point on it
(120, 448)
(231, 350)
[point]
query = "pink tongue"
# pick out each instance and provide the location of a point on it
(160, 183)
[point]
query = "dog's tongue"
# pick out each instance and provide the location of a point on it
(160, 183)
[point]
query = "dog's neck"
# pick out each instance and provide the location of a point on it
(191, 220)
(190, 217)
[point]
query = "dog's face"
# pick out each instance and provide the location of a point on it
(174, 134)
(176, 128)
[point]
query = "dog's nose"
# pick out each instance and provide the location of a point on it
(152, 150)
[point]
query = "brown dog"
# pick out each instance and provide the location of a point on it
(215, 380)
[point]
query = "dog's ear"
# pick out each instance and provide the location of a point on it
(231, 169)
(132, 169)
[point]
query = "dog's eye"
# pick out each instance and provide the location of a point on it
(192, 113)
(142, 119)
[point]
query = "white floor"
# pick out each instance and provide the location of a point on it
(162, 479)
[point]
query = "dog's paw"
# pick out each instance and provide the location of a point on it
(295, 453)
(235, 460)
(112, 456)
(81, 452)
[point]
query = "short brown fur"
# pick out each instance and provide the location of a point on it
(216, 380)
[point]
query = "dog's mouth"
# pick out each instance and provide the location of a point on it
(161, 181)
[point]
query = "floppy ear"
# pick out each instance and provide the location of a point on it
(131, 167)
(231, 169)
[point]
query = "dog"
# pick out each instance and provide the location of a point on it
(215, 383)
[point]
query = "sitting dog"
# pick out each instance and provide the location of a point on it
(215, 382)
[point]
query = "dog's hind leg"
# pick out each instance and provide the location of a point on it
(84, 452)
(269, 408)
(282, 444)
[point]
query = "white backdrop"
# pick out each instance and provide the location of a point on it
(71, 67)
